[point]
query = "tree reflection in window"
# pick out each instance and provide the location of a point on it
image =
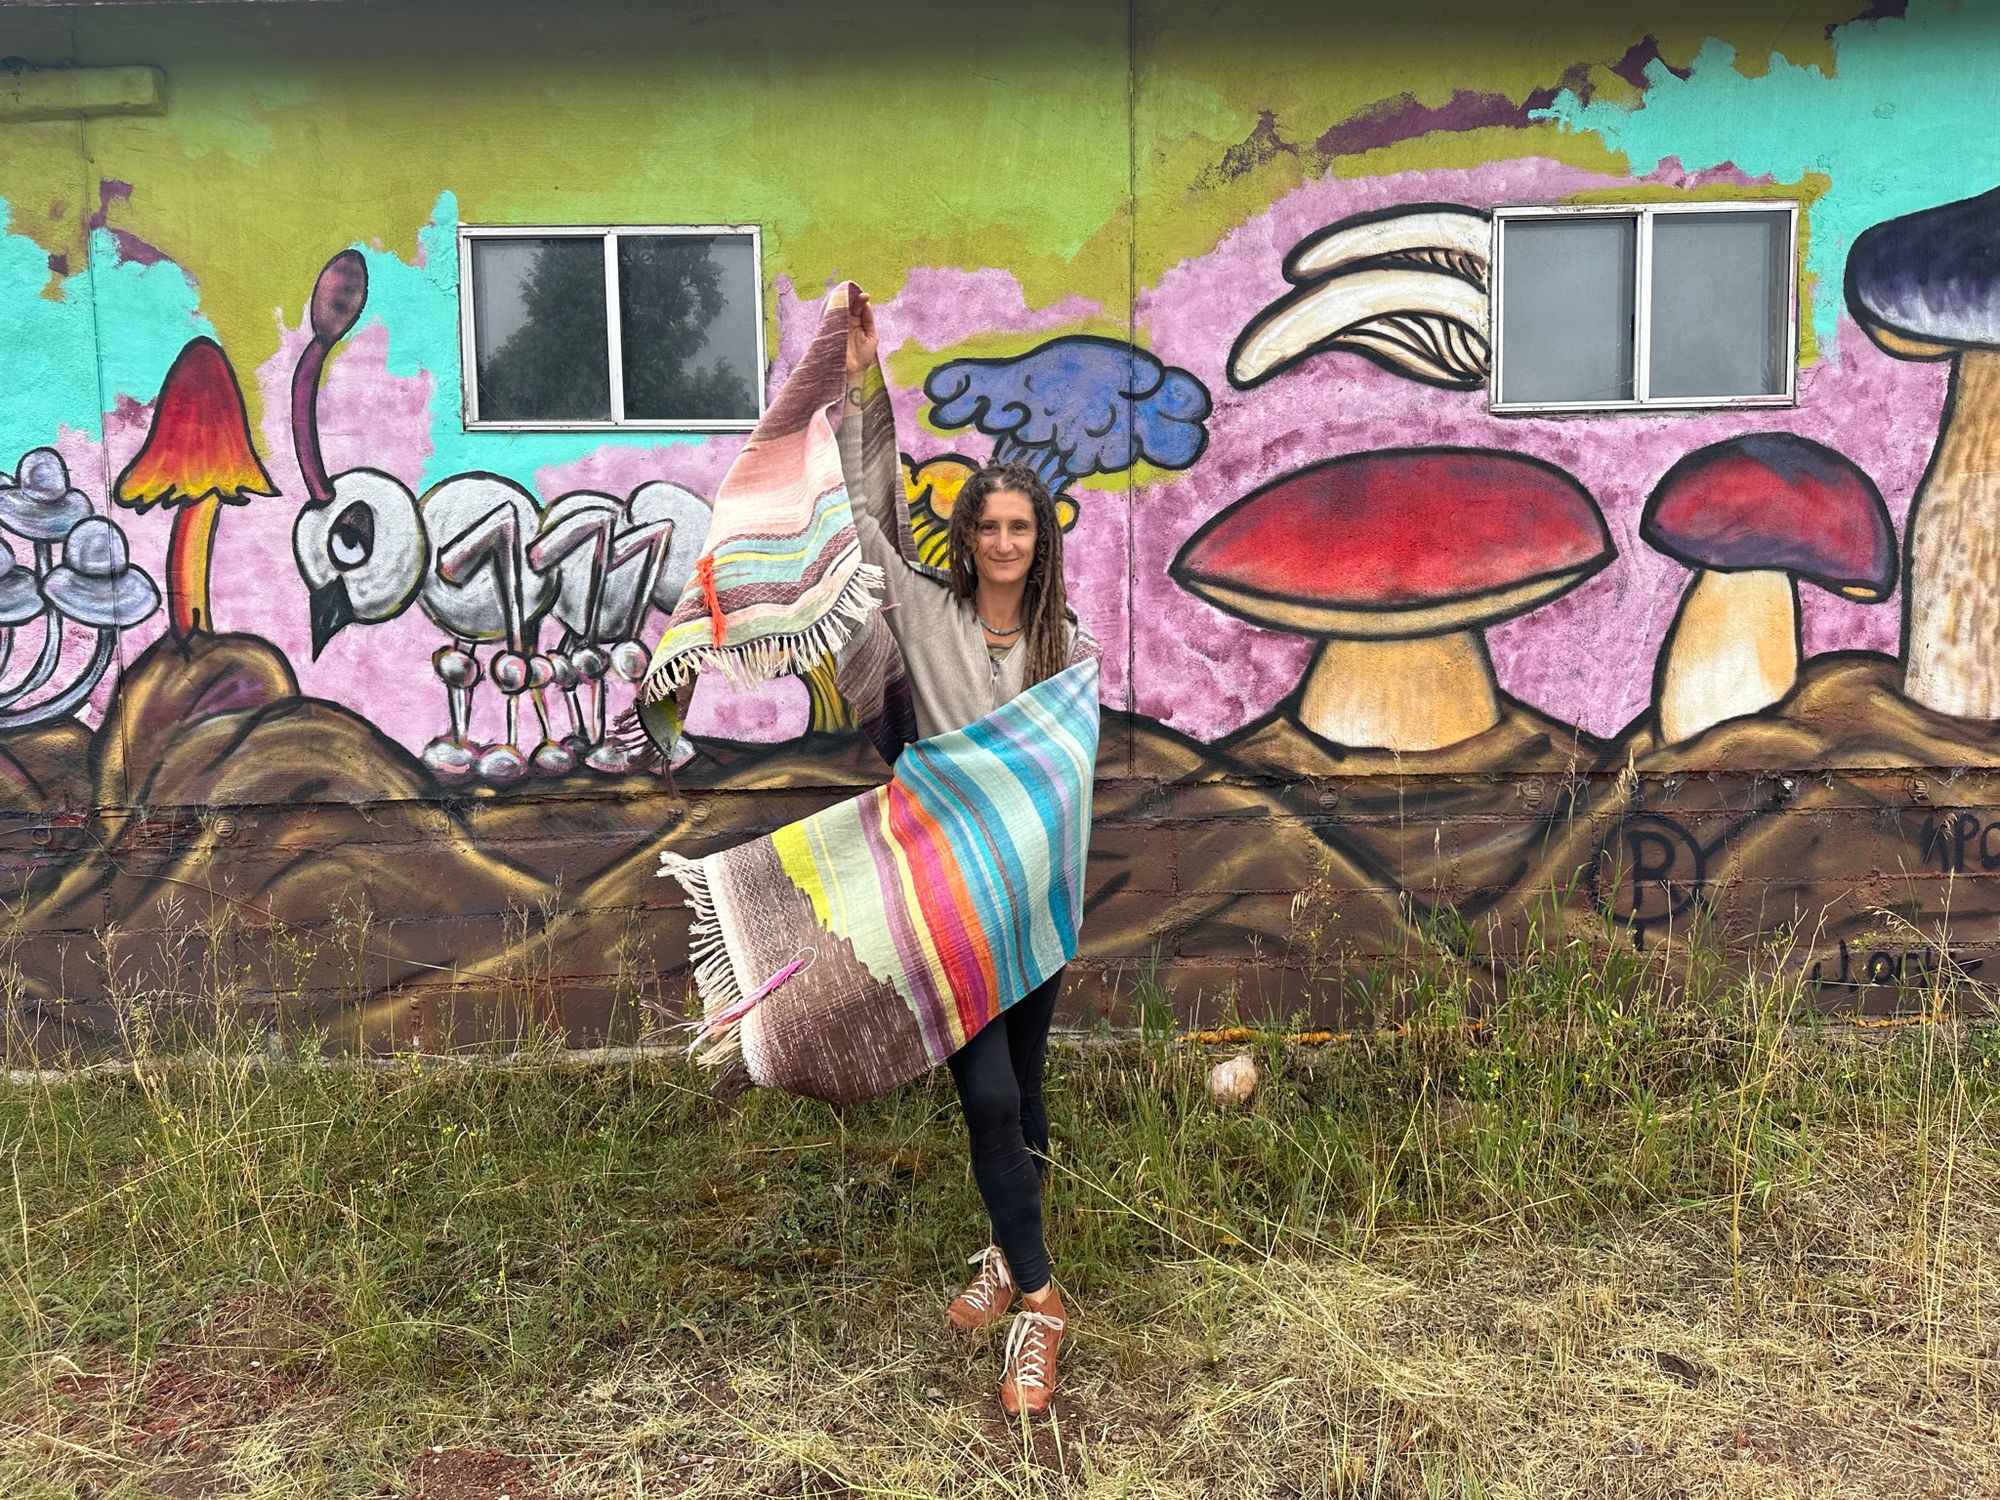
(687, 313)
(538, 322)
(689, 337)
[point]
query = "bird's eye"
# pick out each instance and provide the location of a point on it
(352, 540)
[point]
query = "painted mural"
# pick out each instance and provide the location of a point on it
(320, 696)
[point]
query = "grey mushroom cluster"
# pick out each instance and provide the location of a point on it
(82, 574)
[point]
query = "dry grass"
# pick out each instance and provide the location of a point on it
(1459, 1366)
(1626, 1238)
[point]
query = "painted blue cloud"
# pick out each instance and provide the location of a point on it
(1076, 406)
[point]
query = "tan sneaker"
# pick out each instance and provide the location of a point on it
(1030, 1382)
(986, 1301)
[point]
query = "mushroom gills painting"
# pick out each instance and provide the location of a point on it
(1405, 287)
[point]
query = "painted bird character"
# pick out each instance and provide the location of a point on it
(482, 560)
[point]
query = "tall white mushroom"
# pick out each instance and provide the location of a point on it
(1927, 286)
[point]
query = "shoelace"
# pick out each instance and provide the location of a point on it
(1028, 1348)
(992, 1280)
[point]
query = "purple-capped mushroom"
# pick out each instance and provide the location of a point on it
(1927, 286)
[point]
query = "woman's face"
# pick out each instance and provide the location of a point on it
(1003, 545)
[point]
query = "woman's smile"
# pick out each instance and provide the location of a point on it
(1004, 546)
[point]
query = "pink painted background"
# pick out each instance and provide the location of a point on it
(372, 418)
(1587, 657)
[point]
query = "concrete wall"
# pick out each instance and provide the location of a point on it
(1010, 183)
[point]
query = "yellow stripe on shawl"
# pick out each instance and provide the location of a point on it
(793, 844)
(808, 859)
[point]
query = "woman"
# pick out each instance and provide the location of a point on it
(999, 625)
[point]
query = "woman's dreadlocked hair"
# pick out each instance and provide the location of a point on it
(1045, 605)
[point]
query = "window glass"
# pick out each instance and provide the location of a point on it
(539, 331)
(1566, 297)
(1721, 295)
(688, 326)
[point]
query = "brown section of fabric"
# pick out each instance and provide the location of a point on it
(815, 382)
(864, 668)
(832, 1031)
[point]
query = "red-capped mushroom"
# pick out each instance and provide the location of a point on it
(1399, 558)
(198, 456)
(1753, 515)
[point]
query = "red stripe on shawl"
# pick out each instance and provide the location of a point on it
(946, 905)
(704, 569)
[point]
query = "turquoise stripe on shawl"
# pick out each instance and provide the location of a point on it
(1010, 795)
(977, 787)
(749, 560)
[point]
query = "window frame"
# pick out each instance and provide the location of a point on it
(1642, 341)
(468, 352)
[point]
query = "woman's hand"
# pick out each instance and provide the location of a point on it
(862, 344)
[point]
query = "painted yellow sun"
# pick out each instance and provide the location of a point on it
(932, 489)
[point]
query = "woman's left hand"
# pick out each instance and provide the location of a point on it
(862, 343)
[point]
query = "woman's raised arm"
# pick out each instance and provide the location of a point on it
(868, 458)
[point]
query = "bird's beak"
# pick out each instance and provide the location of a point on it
(332, 611)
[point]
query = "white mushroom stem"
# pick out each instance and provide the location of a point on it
(1952, 591)
(1418, 694)
(1733, 650)
(51, 652)
(76, 694)
(45, 662)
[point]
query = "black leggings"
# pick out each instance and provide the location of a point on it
(999, 1077)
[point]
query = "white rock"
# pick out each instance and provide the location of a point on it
(1230, 1084)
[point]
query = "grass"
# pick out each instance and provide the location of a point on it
(1631, 1233)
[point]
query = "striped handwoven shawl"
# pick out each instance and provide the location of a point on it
(782, 585)
(847, 953)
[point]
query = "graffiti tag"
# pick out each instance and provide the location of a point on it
(1952, 841)
(1890, 966)
(1648, 870)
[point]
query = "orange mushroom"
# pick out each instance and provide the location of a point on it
(198, 456)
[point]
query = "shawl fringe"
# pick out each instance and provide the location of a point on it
(708, 954)
(718, 1035)
(628, 733)
(794, 653)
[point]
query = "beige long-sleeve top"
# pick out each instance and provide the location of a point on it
(954, 677)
